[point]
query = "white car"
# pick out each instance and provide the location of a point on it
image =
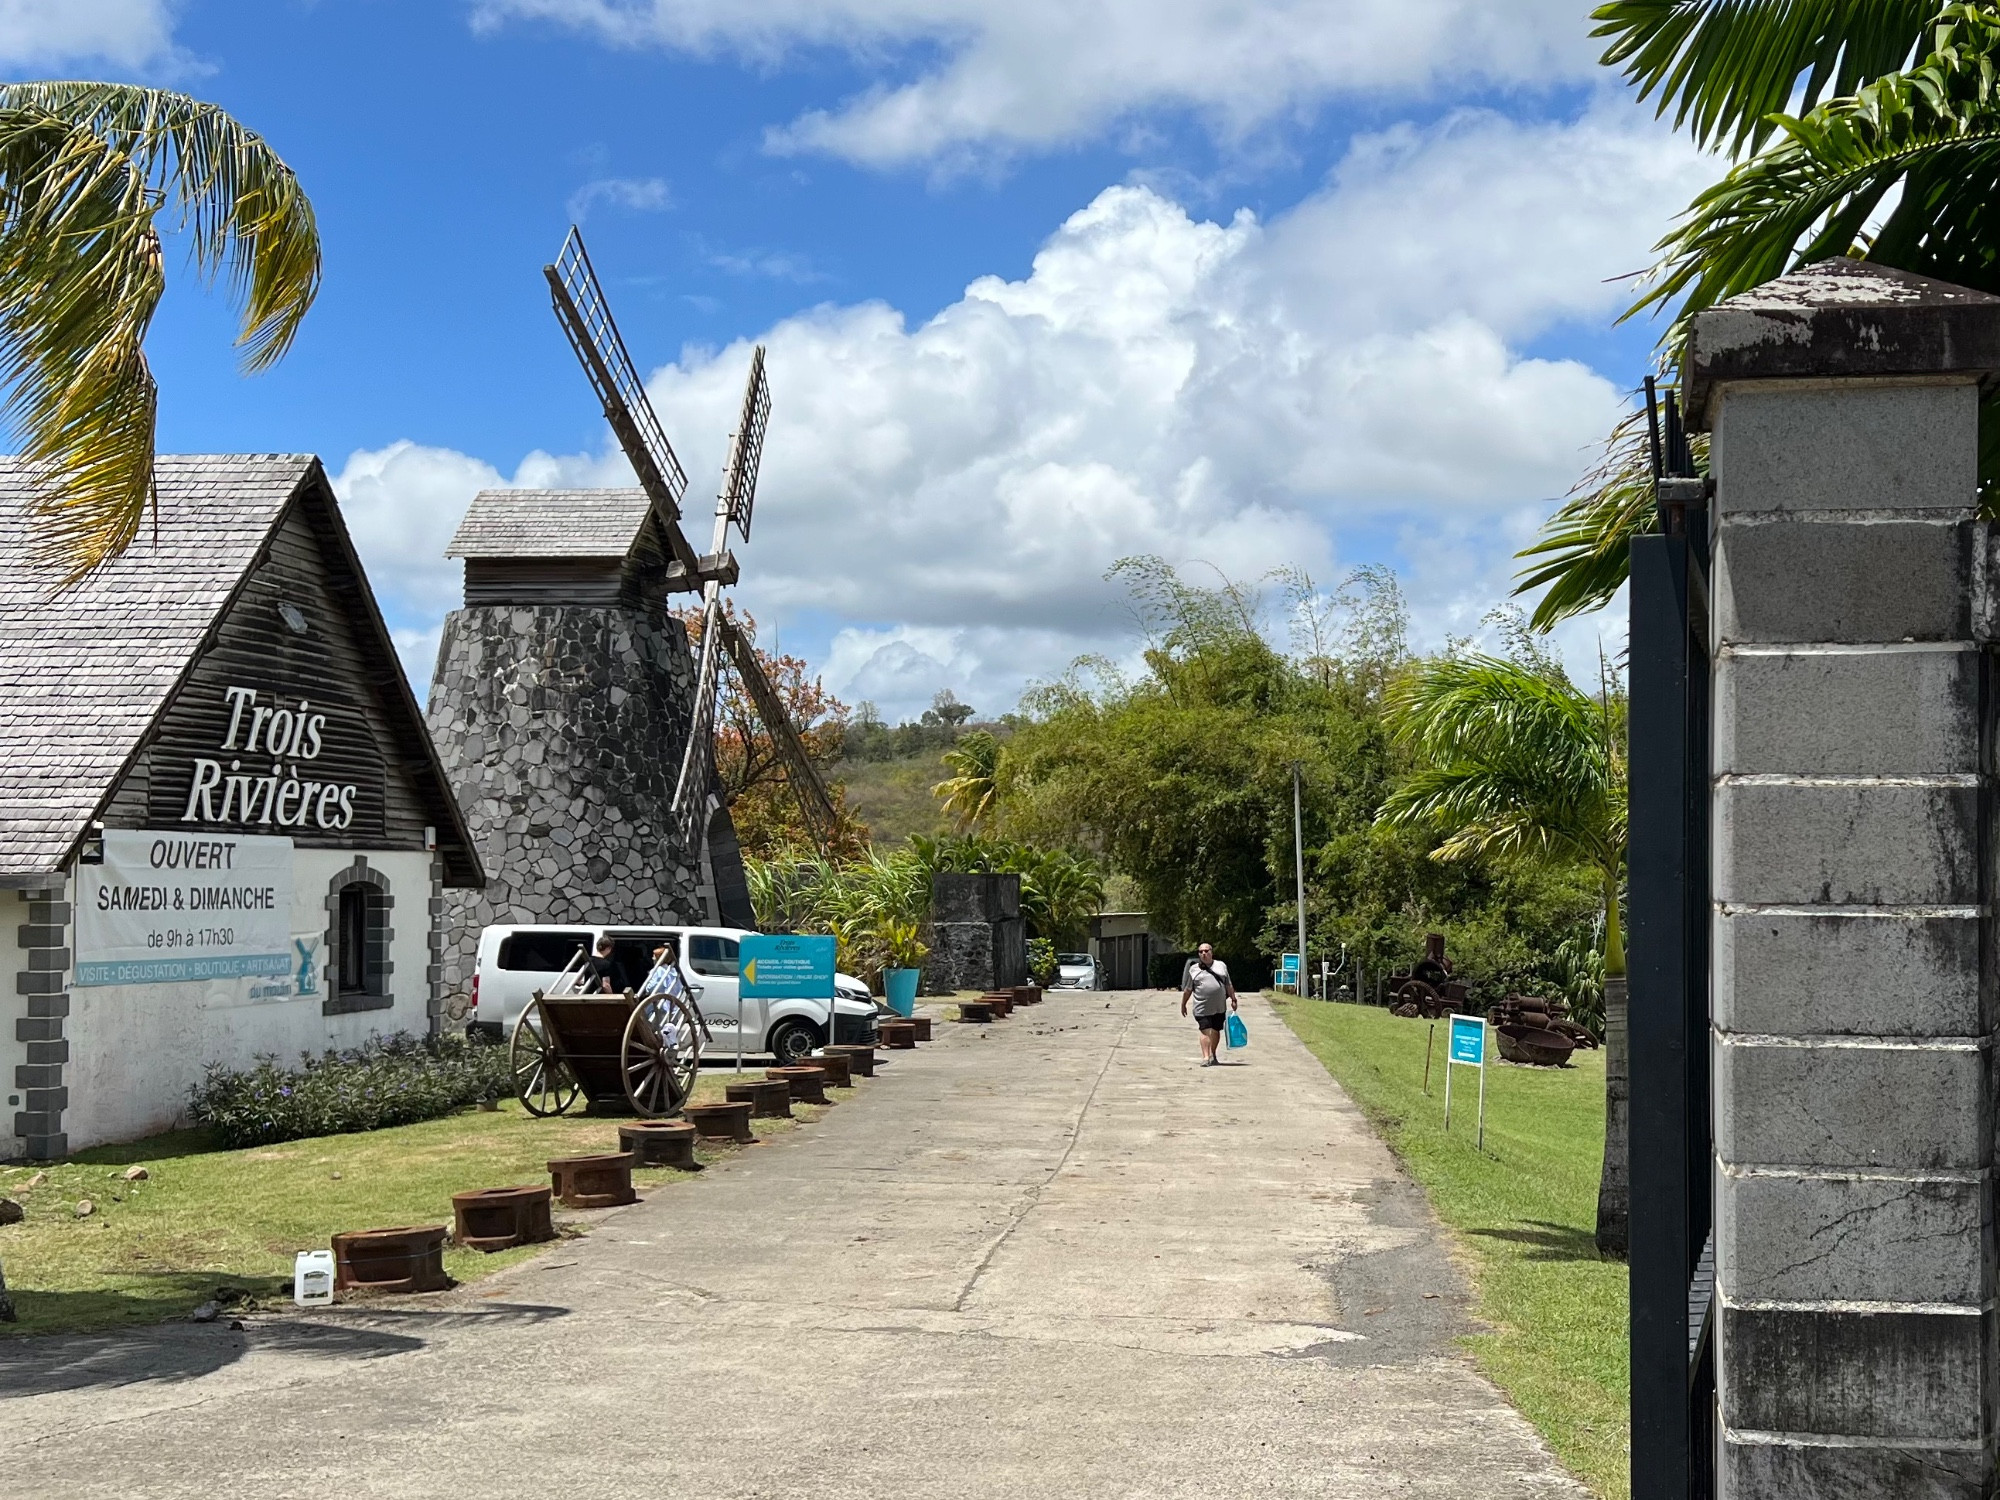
(515, 961)
(1075, 971)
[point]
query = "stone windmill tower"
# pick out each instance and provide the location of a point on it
(568, 708)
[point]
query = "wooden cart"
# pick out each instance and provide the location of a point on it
(611, 1050)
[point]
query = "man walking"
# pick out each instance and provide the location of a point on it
(1207, 983)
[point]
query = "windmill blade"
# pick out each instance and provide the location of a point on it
(746, 448)
(586, 320)
(698, 754)
(814, 799)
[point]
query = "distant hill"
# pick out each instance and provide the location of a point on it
(893, 797)
(888, 773)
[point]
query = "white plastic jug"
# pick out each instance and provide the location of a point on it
(312, 1278)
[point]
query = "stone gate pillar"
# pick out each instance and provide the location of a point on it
(1852, 626)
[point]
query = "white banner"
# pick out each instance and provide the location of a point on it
(164, 908)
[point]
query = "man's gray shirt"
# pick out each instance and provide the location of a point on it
(1210, 987)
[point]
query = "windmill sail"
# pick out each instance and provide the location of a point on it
(746, 449)
(585, 315)
(814, 799)
(586, 319)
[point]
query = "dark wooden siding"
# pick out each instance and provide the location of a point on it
(544, 580)
(328, 667)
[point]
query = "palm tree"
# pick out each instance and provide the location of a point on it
(1894, 157)
(1060, 893)
(970, 794)
(1512, 760)
(85, 170)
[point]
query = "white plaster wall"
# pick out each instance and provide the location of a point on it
(136, 1051)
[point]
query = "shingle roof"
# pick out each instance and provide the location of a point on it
(550, 523)
(82, 674)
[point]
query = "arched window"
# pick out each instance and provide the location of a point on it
(358, 903)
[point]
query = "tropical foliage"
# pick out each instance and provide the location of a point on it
(1893, 156)
(86, 169)
(1181, 782)
(1512, 760)
(862, 901)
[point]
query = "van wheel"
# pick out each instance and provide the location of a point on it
(792, 1042)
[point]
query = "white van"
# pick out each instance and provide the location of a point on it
(515, 961)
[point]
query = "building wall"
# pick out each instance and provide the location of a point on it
(135, 1051)
(14, 1007)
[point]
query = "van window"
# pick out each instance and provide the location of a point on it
(635, 957)
(712, 955)
(541, 952)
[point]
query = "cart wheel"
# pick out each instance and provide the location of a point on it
(542, 1080)
(660, 1055)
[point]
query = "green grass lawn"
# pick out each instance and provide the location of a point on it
(205, 1218)
(1523, 1209)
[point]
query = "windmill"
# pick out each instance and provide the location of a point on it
(586, 319)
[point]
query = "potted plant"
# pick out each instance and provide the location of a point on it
(902, 963)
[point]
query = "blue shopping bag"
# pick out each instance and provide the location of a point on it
(1239, 1034)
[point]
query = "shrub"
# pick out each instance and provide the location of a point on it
(1041, 961)
(397, 1080)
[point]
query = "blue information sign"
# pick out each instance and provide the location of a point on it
(786, 966)
(1288, 963)
(1468, 1040)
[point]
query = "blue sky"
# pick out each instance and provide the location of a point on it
(1265, 282)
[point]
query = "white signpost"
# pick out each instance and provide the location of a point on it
(166, 908)
(1466, 1046)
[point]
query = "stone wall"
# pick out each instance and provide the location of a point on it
(560, 729)
(978, 939)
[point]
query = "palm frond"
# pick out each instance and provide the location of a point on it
(1723, 67)
(1925, 139)
(1509, 760)
(243, 208)
(1933, 130)
(1585, 546)
(84, 169)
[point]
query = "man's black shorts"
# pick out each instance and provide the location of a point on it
(1209, 1023)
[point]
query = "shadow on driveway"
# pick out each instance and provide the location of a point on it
(176, 1352)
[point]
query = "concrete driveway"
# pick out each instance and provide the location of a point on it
(1050, 1257)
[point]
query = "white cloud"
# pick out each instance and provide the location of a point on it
(940, 502)
(640, 194)
(403, 502)
(1034, 74)
(46, 33)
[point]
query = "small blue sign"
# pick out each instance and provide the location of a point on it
(1468, 1040)
(786, 966)
(1288, 963)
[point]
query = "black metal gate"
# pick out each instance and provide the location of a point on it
(1671, 1224)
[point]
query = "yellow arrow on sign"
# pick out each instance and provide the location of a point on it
(750, 971)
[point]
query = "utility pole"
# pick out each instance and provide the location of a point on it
(1299, 869)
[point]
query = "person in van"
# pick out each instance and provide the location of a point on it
(665, 979)
(603, 974)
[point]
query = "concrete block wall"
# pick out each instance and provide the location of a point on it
(1853, 1014)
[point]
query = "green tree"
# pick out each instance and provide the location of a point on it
(1893, 157)
(85, 171)
(1511, 759)
(1181, 780)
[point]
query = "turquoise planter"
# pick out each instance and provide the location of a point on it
(900, 988)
